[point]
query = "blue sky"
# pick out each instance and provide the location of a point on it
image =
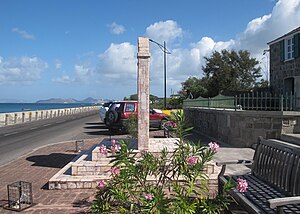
(76, 48)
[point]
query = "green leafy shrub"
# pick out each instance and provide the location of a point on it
(171, 182)
(131, 125)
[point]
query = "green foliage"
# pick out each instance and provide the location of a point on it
(224, 71)
(176, 101)
(230, 70)
(171, 182)
(131, 126)
(194, 87)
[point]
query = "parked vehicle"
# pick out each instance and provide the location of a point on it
(119, 112)
(103, 110)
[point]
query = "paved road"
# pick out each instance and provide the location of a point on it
(19, 139)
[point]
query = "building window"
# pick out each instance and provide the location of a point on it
(289, 48)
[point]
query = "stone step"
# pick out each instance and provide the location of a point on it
(90, 168)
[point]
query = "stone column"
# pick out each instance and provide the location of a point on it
(143, 93)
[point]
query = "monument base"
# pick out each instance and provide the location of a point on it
(90, 166)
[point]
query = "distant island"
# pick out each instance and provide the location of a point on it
(70, 100)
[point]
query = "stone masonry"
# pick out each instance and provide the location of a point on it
(242, 128)
(143, 93)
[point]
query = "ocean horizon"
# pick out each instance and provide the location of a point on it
(20, 107)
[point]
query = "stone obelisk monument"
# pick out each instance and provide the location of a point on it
(143, 93)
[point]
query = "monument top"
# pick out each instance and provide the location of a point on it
(143, 47)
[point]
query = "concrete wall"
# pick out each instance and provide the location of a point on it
(242, 128)
(28, 116)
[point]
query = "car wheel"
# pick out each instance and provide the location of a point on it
(112, 117)
(163, 123)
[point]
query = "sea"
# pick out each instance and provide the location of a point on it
(19, 107)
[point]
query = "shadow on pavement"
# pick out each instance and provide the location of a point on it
(3, 202)
(82, 203)
(100, 123)
(54, 160)
(95, 127)
(103, 132)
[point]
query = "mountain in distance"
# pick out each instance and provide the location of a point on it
(58, 100)
(89, 100)
(69, 100)
(9, 100)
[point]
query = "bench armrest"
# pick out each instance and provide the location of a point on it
(231, 162)
(278, 202)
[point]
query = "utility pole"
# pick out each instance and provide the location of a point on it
(165, 76)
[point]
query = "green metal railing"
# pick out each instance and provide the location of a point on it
(259, 101)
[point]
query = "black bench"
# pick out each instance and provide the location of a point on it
(274, 181)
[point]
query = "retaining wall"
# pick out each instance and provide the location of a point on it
(242, 128)
(28, 116)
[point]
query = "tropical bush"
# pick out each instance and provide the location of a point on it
(131, 126)
(171, 182)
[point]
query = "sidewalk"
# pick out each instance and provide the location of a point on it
(40, 165)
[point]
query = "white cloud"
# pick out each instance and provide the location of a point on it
(117, 63)
(116, 28)
(57, 64)
(21, 70)
(81, 74)
(23, 33)
(167, 31)
(65, 79)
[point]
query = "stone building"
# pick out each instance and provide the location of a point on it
(285, 63)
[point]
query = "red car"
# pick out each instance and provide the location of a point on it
(119, 112)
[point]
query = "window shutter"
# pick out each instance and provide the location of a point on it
(282, 52)
(296, 45)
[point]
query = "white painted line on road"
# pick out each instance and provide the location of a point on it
(33, 128)
(10, 134)
(49, 124)
(60, 121)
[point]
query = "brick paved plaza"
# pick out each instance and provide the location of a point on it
(38, 167)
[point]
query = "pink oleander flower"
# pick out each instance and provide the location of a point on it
(172, 124)
(242, 185)
(214, 146)
(115, 171)
(101, 184)
(192, 160)
(148, 196)
(113, 142)
(103, 150)
(115, 148)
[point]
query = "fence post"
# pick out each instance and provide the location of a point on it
(281, 102)
(15, 118)
(261, 100)
(208, 103)
(6, 120)
(266, 100)
(291, 102)
(295, 101)
(286, 102)
(235, 102)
